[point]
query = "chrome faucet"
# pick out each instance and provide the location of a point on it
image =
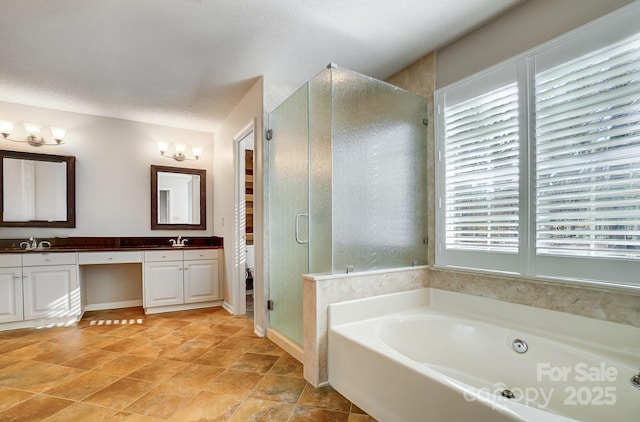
(178, 242)
(30, 245)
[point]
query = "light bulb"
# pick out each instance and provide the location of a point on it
(180, 148)
(58, 133)
(162, 147)
(197, 151)
(6, 127)
(31, 128)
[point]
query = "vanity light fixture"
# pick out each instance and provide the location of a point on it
(33, 138)
(179, 151)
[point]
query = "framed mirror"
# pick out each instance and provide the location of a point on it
(178, 198)
(37, 190)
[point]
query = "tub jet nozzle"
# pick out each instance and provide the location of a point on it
(520, 346)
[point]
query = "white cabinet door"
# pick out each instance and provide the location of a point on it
(163, 284)
(11, 294)
(51, 291)
(201, 281)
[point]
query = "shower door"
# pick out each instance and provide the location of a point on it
(288, 213)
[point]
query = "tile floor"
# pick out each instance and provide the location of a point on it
(122, 365)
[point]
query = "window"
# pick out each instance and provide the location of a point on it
(538, 169)
(588, 155)
(482, 157)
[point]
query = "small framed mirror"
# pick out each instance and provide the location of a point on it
(37, 190)
(178, 198)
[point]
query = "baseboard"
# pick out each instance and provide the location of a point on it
(259, 331)
(288, 345)
(40, 323)
(227, 307)
(185, 307)
(112, 305)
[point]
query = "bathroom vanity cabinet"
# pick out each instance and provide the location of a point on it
(51, 287)
(180, 277)
(10, 288)
(38, 286)
(163, 279)
(201, 276)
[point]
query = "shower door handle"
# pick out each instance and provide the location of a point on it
(301, 242)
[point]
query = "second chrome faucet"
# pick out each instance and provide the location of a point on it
(32, 244)
(178, 242)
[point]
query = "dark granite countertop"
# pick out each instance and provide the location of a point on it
(110, 244)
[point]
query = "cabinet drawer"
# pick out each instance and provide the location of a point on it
(88, 258)
(158, 256)
(200, 254)
(10, 260)
(66, 258)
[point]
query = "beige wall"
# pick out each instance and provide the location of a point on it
(112, 170)
(113, 174)
(522, 28)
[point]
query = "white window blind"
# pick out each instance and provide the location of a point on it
(588, 155)
(482, 172)
(538, 160)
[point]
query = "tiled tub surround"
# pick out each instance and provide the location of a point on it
(450, 356)
(614, 305)
(322, 290)
(123, 365)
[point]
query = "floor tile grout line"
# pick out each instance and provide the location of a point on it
(154, 384)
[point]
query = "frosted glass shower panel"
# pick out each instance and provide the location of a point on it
(288, 212)
(348, 175)
(379, 163)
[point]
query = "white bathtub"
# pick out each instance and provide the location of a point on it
(432, 355)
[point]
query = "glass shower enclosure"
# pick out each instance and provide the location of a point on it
(347, 185)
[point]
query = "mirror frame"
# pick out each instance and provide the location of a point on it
(154, 198)
(70, 222)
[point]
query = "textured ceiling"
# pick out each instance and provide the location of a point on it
(187, 63)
